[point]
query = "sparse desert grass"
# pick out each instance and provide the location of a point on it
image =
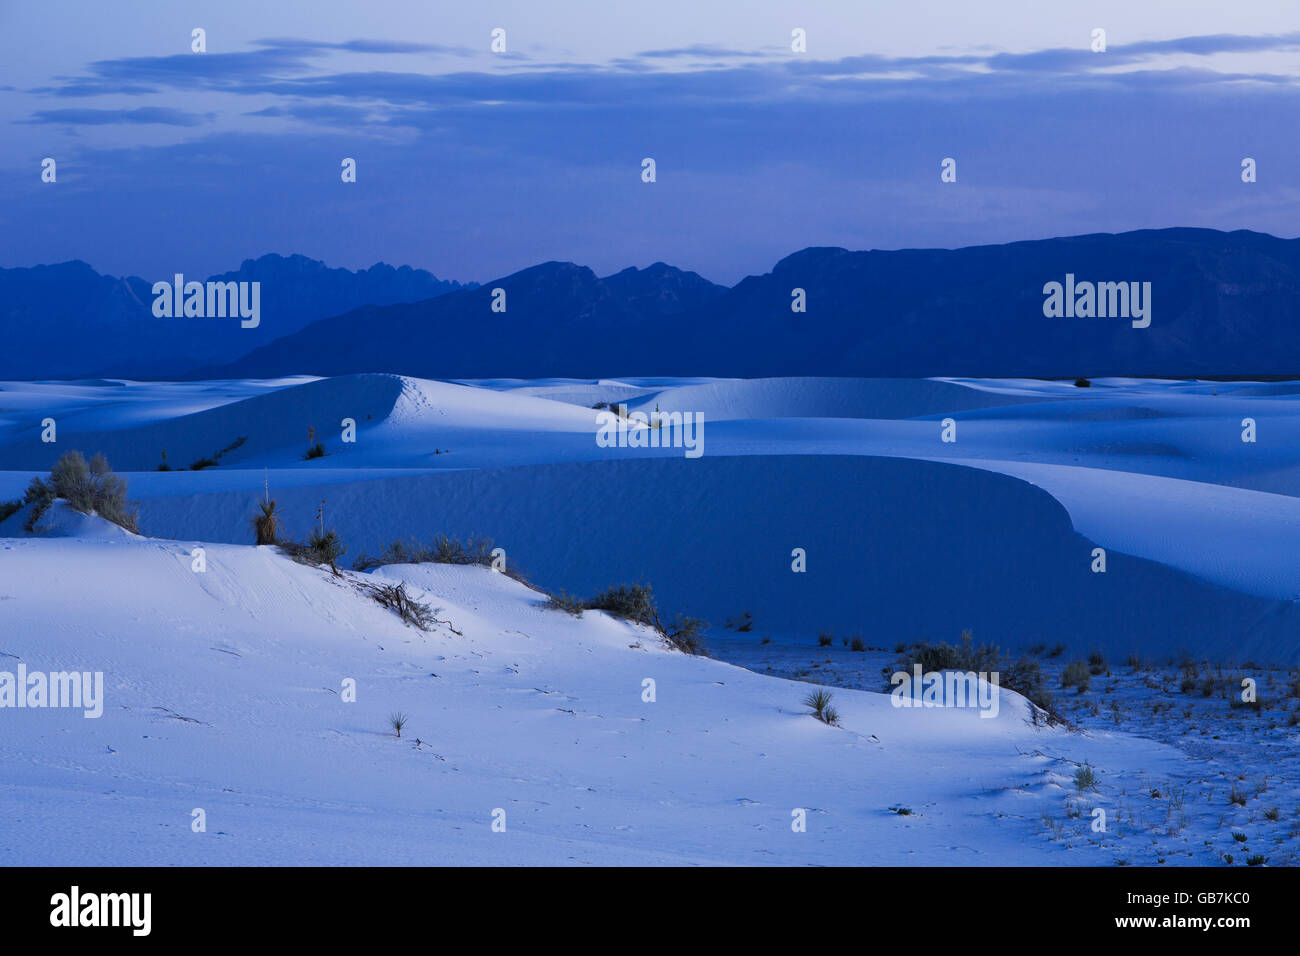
(210, 460)
(564, 601)
(1085, 777)
(742, 624)
(323, 547)
(636, 603)
(441, 550)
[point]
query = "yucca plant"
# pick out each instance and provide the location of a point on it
(398, 721)
(267, 524)
(819, 701)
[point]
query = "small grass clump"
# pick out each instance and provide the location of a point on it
(210, 460)
(1085, 778)
(742, 624)
(819, 702)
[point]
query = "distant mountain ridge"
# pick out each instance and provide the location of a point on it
(67, 320)
(1222, 304)
(557, 315)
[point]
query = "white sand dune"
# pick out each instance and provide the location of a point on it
(223, 692)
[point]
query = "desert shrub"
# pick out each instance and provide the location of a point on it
(454, 551)
(1096, 663)
(684, 633)
(394, 597)
(209, 460)
(315, 451)
(633, 602)
(857, 645)
(1082, 382)
(88, 487)
(1085, 778)
(397, 721)
(563, 601)
(825, 639)
(1023, 675)
(323, 547)
(1076, 675)
(1056, 651)
(266, 524)
(742, 624)
(943, 656)
(1256, 859)
(441, 550)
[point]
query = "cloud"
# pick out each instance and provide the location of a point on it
(365, 46)
(698, 50)
(287, 67)
(143, 115)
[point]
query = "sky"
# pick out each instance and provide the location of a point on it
(474, 164)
